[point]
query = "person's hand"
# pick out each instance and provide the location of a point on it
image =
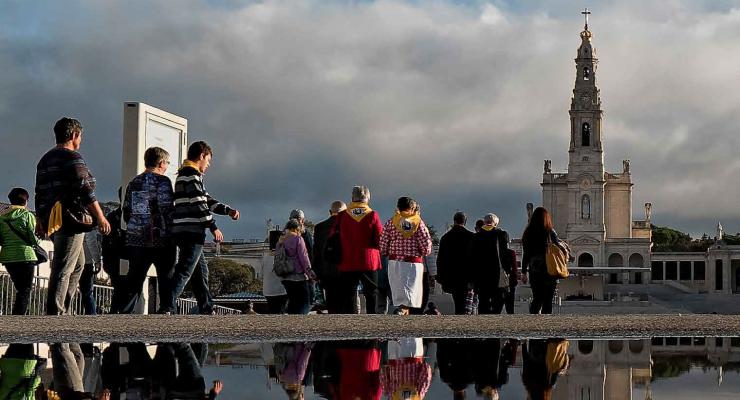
(104, 226)
(218, 386)
(218, 236)
(40, 232)
(104, 395)
(525, 278)
(234, 214)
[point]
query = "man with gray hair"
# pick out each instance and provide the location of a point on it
(325, 271)
(359, 231)
(489, 254)
(298, 215)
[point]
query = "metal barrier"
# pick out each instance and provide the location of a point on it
(103, 298)
(187, 306)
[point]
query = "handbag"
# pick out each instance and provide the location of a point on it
(283, 265)
(556, 258)
(41, 255)
(333, 248)
(77, 219)
(503, 277)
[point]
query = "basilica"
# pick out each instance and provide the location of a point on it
(592, 208)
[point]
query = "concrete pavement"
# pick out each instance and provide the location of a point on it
(215, 329)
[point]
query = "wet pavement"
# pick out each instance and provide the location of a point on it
(243, 328)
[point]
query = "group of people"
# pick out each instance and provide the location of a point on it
(403, 368)
(155, 224)
(353, 250)
(166, 227)
(121, 371)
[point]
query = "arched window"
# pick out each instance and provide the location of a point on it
(585, 134)
(585, 207)
(585, 346)
(636, 260)
(585, 260)
(616, 346)
(586, 73)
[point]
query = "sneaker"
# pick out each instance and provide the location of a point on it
(399, 311)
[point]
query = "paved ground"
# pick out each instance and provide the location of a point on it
(126, 328)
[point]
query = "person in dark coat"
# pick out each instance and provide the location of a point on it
(456, 362)
(326, 273)
(454, 271)
(534, 266)
(489, 252)
(514, 278)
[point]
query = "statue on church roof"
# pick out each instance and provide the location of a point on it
(626, 166)
(720, 231)
(548, 166)
(648, 211)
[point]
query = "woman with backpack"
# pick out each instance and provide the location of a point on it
(538, 234)
(17, 235)
(298, 282)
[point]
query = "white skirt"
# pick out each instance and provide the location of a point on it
(406, 281)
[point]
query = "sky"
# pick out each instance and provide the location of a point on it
(455, 103)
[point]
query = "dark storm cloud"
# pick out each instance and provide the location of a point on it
(454, 104)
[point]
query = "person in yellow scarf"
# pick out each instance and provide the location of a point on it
(406, 241)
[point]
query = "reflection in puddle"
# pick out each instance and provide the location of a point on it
(403, 368)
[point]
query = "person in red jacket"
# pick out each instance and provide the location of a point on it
(359, 229)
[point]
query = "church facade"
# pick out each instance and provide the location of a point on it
(592, 208)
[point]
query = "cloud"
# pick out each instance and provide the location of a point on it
(454, 104)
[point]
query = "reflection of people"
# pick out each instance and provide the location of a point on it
(543, 362)
(127, 371)
(68, 366)
(407, 375)
(492, 362)
(455, 360)
(177, 371)
(20, 372)
(291, 363)
(358, 371)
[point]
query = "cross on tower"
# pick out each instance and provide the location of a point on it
(586, 13)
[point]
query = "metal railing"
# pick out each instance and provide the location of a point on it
(103, 298)
(186, 306)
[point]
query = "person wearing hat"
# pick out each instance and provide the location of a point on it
(299, 216)
(489, 254)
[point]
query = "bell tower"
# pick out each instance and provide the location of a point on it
(586, 175)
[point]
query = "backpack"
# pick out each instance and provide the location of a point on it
(556, 258)
(283, 265)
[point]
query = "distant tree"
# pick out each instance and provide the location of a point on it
(666, 239)
(228, 276)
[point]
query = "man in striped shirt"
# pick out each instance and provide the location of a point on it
(193, 214)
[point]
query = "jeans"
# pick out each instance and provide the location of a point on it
(346, 291)
(277, 304)
(491, 300)
(140, 259)
(69, 261)
(543, 294)
(510, 299)
(299, 296)
(22, 276)
(191, 263)
(459, 295)
(69, 364)
(87, 280)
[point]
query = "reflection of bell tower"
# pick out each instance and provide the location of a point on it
(586, 160)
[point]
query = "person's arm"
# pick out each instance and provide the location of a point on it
(503, 243)
(85, 184)
(378, 232)
(29, 228)
(166, 200)
(385, 239)
(301, 256)
(424, 239)
(126, 206)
